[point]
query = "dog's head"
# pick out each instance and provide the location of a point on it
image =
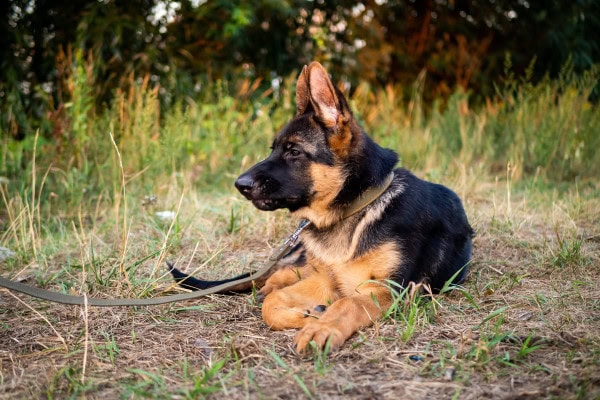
(321, 160)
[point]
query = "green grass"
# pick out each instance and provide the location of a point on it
(79, 210)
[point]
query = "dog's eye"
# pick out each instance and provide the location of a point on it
(294, 152)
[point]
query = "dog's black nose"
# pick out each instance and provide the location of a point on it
(244, 184)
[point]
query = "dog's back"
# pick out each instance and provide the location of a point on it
(431, 224)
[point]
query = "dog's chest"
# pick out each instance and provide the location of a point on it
(333, 246)
(335, 254)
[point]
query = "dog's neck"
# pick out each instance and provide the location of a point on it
(329, 218)
(368, 196)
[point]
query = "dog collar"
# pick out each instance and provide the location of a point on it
(368, 196)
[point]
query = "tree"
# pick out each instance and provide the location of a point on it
(460, 43)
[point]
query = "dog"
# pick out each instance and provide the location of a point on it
(369, 223)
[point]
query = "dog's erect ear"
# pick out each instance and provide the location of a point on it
(302, 92)
(322, 95)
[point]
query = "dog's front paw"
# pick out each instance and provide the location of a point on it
(320, 332)
(265, 290)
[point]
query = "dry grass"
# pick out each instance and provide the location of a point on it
(525, 324)
(77, 211)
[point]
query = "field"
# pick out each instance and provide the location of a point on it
(100, 205)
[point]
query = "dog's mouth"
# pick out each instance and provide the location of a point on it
(267, 194)
(274, 204)
(269, 204)
(266, 204)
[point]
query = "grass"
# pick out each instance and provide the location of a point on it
(82, 213)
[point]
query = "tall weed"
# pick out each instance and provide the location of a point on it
(549, 129)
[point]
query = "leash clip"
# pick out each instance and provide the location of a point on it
(289, 242)
(294, 236)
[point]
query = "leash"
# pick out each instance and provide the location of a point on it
(364, 200)
(57, 297)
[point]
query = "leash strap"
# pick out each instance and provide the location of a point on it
(57, 297)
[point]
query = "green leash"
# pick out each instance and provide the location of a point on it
(57, 297)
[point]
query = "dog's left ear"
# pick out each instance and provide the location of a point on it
(302, 92)
(323, 96)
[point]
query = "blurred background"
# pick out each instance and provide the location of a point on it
(182, 45)
(199, 88)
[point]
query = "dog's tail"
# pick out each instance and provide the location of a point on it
(296, 256)
(189, 282)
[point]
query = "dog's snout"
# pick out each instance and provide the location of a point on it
(244, 184)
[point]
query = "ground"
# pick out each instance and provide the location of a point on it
(526, 323)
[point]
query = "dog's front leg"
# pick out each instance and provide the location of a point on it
(295, 305)
(344, 317)
(286, 276)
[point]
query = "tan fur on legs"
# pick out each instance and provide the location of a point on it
(343, 318)
(285, 277)
(294, 306)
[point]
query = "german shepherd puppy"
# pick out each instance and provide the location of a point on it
(369, 223)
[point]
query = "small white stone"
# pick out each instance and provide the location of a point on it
(5, 253)
(166, 215)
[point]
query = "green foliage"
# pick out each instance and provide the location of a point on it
(409, 307)
(322, 364)
(569, 253)
(283, 365)
(66, 383)
(550, 125)
(527, 347)
(143, 383)
(107, 351)
(548, 130)
(203, 382)
(180, 46)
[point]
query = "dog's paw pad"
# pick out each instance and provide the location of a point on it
(320, 308)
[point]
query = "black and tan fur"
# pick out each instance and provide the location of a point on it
(321, 163)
